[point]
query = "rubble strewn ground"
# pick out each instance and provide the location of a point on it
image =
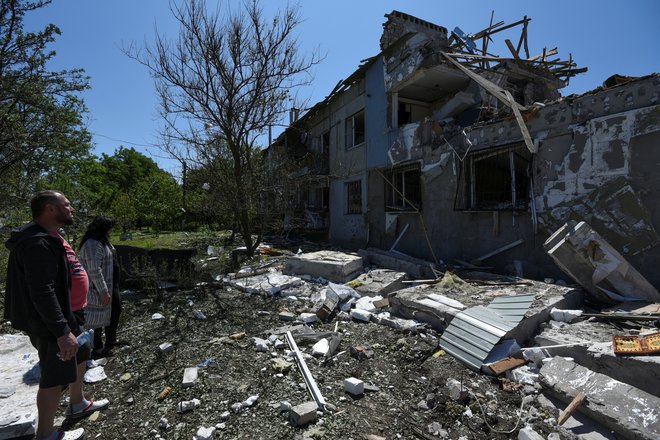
(213, 362)
(411, 386)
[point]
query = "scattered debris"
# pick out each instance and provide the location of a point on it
(307, 376)
(303, 414)
(189, 377)
(566, 413)
(636, 345)
(188, 405)
(334, 266)
(592, 262)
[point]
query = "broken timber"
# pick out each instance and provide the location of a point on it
(498, 250)
(566, 413)
(503, 95)
(307, 375)
(414, 267)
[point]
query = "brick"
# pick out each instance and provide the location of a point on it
(303, 414)
(354, 386)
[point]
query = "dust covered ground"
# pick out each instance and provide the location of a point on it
(408, 399)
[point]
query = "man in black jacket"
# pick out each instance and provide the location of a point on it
(38, 302)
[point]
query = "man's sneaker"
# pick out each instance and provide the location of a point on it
(85, 408)
(76, 434)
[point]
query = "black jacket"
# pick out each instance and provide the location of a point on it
(38, 294)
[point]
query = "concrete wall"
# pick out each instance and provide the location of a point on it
(376, 116)
(347, 165)
(597, 161)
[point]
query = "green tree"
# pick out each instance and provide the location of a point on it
(222, 83)
(135, 179)
(41, 114)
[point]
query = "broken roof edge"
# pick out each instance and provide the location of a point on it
(413, 19)
(532, 110)
(344, 84)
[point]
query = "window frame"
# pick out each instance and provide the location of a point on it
(470, 197)
(400, 178)
(349, 124)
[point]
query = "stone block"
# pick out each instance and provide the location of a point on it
(189, 377)
(596, 265)
(166, 347)
(266, 284)
(596, 353)
(286, 316)
(333, 266)
(354, 386)
(303, 414)
(380, 282)
(626, 410)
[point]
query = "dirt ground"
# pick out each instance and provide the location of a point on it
(409, 398)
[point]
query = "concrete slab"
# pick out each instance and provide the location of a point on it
(266, 284)
(19, 382)
(416, 268)
(415, 303)
(624, 409)
(379, 282)
(426, 302)
(578, 424)
(591, 261)
(642, 372)
(338, 267)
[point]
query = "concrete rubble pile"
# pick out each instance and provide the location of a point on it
(520, 330)
(538, 337)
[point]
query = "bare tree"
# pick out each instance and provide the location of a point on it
(225, 79)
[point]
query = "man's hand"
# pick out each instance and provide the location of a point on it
(105, 299)
(68, 346)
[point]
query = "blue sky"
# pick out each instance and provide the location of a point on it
(606, 36)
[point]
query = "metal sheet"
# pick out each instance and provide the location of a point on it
(473, 333)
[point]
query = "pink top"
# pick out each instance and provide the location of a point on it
(79, 280)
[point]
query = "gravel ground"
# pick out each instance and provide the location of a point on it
(409, 398)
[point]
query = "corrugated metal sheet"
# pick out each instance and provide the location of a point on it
(512, 308)
(474, 332)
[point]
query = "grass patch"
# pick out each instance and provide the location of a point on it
(172, 240)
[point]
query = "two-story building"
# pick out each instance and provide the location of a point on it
(453, 152)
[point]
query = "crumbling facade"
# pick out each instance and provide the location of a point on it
(443, 151)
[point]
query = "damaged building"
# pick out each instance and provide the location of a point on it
(449, 153)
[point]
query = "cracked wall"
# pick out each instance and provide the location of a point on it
(597, 161)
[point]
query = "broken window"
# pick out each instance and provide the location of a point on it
(354, 197)
(495, 180)
(355, 130)
(403, 189)
(318, 198)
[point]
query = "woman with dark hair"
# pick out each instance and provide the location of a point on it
(99, 258)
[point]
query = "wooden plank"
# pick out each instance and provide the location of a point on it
(552, 51)
(566, 413)
(506, 364)
(498, 250)
(521, 123)
(512, 49)
(490, 32)
(491, 88)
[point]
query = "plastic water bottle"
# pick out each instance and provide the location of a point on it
(82, 339)
(85, 337)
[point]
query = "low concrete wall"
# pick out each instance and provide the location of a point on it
(163, 264)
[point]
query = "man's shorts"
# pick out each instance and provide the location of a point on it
(55, 372)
